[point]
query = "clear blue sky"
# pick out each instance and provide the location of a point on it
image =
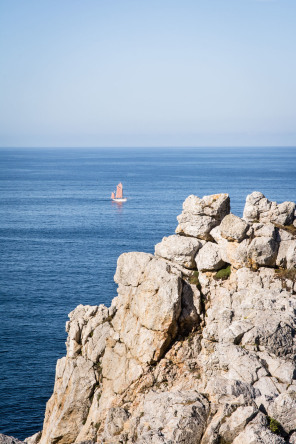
(147, 72)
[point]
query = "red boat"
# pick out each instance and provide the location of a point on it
(118, 197)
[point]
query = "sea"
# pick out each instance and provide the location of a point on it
(61, 235)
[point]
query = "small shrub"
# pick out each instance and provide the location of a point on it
(274, 425)
(290, 228)
(284, 274)
(223, 274)
(193, 279)
(222, 440)
(97, 425)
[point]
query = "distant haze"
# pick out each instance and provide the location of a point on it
(147, 73)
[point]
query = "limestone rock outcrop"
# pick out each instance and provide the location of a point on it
(199, 216)
(4, 439)
(180, 249)
(199, 346)
(260, 209)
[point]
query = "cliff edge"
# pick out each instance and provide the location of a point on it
(198, 346)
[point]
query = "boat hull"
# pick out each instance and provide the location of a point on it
(122, 199)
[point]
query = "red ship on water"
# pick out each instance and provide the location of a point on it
(118, 197)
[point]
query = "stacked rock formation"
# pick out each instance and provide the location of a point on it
(199, 345)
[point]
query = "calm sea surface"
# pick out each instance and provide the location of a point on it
(60, 237)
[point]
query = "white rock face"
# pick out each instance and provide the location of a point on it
(4, 439)
(258, 208)
(262, 251)
(257, 431)
(283, 409)
(200, 216)
(172, 417)
(68, 408)
(147, 310)
(179, 249)
(233, 228)
(237, 422)
(181, 357)
(291, 255)
(34, 439)
(209, 257)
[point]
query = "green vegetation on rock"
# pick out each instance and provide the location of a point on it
(223, 274)
(193, 279)
(274, 425)
(283, 274)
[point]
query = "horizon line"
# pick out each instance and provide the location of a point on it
(150, 147)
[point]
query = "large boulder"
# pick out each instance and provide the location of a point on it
(236, 422)
(260, 209)
(283, 410)
(258, 431)
(209, 257)
(179, 249)
(262, 251)
(234, 253)
(233, 228)
(147, 311)
(172, 417)
(200, 216)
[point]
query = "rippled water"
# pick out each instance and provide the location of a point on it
(60, 236)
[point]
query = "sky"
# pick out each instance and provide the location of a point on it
(103, 73)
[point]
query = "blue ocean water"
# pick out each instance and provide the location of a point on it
(60, 236)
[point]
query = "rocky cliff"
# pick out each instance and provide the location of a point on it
(198, 346)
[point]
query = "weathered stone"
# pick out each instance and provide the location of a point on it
(237, 422)
(265, 230)
(145, 320)
(34, 439)
(258, 208)
(262, 251)
(179, 249)
(282, 369)
(114, 424)
(235, 253)
(284, 235)
(281, 259)
(209, 257)
(191, 308)
(226, 391)
(267, 387)
(197, 226)
(4, 439)
(178, 417)
(200, 216)
(67, 409)
(215, 205)
(283, 409)
(291, 255)
(257, 431)
(130, 268)
(233, 228)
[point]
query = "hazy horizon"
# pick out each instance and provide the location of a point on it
(201, 73)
